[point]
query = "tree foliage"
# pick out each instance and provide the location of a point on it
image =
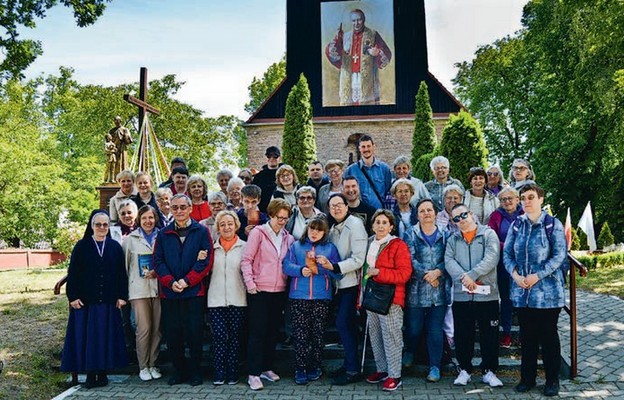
(552, 93)
(261, 88)
(463, 144)
(424, 137)
(52, 137)
(299, 141)
(20, 53)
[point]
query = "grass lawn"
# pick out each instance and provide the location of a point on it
(604, 280)
(32, 328)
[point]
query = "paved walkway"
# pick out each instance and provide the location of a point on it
(601, 372)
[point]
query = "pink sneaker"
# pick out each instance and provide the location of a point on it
(255, 383)
(270, 376)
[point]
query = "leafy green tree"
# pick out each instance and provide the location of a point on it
(261, 88)
(299, 141)
(424, 138)
(32, 189)
(463, 144)
(606, 237)
(552, 93)
(20, 53)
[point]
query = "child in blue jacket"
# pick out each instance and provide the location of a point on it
(309, 264)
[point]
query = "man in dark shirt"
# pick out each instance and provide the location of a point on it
(316, 177)
(265, 179)
(357, 207)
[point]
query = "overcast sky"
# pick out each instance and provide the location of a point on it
(217, 47)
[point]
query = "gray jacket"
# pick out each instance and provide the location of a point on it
(351, 240)
(478, 260)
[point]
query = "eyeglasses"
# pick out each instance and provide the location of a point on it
(530, 197)
(124, 213)
(272, 156)
(101, 224)
(305, 198)
(440, 168)
(334, 171)
(461, 216)
(282, 219)
(337, 205)
(506, 199)
(519, 167)
(492, 173)
(217, 204)
(181, 208)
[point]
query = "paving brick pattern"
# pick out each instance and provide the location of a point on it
(601, 372)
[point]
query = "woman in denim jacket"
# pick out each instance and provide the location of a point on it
(534, 254)
(428, 290)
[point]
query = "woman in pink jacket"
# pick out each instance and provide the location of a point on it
(261, 266)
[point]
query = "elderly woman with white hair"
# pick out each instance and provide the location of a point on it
(303, 211)
(217, 202)
(234, 195)
(441, 180)
(402, 170)
(125, 179)
(521, 173)
(223, 178)
(453, 195)
(163, 200)
(495, 181)
(127, 220)
(405, 213)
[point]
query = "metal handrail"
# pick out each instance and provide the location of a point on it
(571, 310)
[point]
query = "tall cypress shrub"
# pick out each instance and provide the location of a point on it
(298, 140)
(464, 145)
(424, 137)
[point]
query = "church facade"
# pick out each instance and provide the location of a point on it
(364, 61)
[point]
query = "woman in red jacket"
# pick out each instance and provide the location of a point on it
(389, 261)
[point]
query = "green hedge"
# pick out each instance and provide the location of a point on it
(602, 260)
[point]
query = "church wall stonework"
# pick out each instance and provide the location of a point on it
(392, 138)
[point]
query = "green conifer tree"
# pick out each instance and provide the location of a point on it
(298, 140)
(424, 138)
(606, 237)
(463, 144)
(576, 241)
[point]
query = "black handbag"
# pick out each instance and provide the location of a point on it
(378, 297)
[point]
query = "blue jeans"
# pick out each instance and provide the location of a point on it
(431, 318)
(346, 325)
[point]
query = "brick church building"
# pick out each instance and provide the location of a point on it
(311, 27)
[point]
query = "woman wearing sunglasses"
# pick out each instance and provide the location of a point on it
(495, 180)
(470, 258)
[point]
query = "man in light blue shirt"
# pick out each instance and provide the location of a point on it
(373, 188)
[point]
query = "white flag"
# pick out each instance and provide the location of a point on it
(586, 223)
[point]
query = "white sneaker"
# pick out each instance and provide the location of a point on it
(155, 373)
(145, 375)
(462, 379)
(491, 379)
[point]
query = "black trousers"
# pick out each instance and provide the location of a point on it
(538, 326)
(485, 314)
(265, 315)
(184, 320)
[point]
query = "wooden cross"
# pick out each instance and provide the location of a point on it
(141, 102)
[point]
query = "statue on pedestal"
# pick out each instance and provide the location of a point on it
(116, 147)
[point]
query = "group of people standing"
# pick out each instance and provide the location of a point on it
(267, 252)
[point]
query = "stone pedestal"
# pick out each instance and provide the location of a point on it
(106, 192)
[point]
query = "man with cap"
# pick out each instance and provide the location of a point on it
(265, 179)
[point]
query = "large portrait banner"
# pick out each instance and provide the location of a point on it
(357, 41)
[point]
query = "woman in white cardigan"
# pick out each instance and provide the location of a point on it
(227, 298)
(143, 291)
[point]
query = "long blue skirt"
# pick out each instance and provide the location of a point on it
(94, 340)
